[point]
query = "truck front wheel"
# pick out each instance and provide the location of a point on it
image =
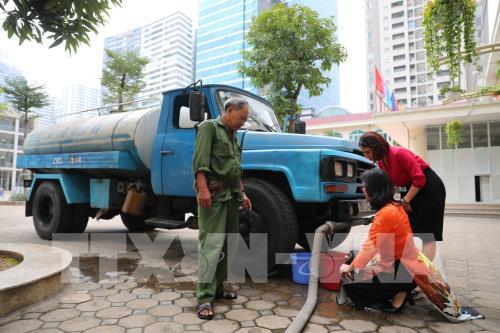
(135, 223)
(272, 214)
(51, 213)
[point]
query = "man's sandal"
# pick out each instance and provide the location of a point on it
(227, 294)
(205, 311)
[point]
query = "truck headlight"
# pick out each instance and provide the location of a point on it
(339, 169)
(350, 170)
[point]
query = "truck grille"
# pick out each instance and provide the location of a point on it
(362, 167)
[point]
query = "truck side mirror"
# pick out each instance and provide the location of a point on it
(196, 106)
(300, 127)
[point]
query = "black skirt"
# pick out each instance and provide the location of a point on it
(380, 288)
(426, 218)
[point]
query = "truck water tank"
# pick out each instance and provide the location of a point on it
(131, 131)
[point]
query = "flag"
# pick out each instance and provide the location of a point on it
(393, 102)
(379, 82)
(388, 94)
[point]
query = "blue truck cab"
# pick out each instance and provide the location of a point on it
(138, 165)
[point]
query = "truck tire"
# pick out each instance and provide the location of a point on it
(135, 223)
(80, 217)
(272, 213)
(51, 213)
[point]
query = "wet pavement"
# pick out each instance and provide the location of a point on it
(112, 288)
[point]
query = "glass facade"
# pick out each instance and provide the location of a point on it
(331, 94)
(222, 27)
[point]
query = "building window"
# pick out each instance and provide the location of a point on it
(466, 137)
(356, 135)
(396, 4)
(398, 25)
(433, 138)
(400, 79)
(495, 133)
(398, 14)
(480, 135)
(399, 57)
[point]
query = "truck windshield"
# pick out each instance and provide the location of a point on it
(261, 117)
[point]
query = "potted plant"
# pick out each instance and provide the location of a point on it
(454, 132)
(453, 92)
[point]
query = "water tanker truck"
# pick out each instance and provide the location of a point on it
(138, 164)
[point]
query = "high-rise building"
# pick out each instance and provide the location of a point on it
(6, 70)
(395, 45)
(48, 114)
(78, 98)
(168, 44)
(331, 94)
(222, 27)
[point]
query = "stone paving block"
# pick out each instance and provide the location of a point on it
(165, 310)
(106, 329)
(273, 322)
(322, 320)
(60, 315)
(87, 286)
(286, 311)
(93, 305)
(488, 303)
(67, 306)
(240, 300)
(396, 329)
(32, 315)
(247, 323)
(47, 330)
(220, 326)
(164, 318)
(314, 328)
(164, 328)
(134, 330)
(195, 328)
(88, 314)
(167, 296)
(118, 304)
(142, 291)
(442, 327)
(166, 302)
(334, 328)
(260, 305)
(79, 324)
(253, 330)
(142, 303)
(21, 326)
(139, 311)
(221, 308)
(357, 325)
(125, 285)
(75, 298)
(185, 302)
(274, 297)
(249, 292)
(121, 297)
(266, 312)
(242, 315)
(188, 318)
(487, 324)
(135, 321)
(144, 296)
(402, 319)
(113, 312)
(99, 298)
(109, 321)
(52, 324)
(237, 306)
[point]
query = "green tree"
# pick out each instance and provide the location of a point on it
(68, 21)
(3, 106)
(122, 76)
(24, 97)
(291, 48)
(449, 32)
(330, 132)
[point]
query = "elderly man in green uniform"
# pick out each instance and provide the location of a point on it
(217, 169)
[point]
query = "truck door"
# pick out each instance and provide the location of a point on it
(177, 149)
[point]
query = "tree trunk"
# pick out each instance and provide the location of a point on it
(120, 93)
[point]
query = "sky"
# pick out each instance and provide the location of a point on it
(55, 67)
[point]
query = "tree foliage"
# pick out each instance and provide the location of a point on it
(24, 97)
(291, 48)
(68, 21)
(449, 32)
(122, 76)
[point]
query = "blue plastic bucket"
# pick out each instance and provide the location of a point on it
(300, 267)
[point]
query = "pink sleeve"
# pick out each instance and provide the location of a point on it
(409, 163)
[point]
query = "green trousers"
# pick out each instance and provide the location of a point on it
(214, 223)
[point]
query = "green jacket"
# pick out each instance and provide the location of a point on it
(218, 154)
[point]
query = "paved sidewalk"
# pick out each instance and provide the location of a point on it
(119, 302)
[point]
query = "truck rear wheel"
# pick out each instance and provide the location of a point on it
(51, 213)
(80, 218)
(135, 223)
(272, 213)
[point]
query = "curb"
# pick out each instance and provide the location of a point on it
(12, 203)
